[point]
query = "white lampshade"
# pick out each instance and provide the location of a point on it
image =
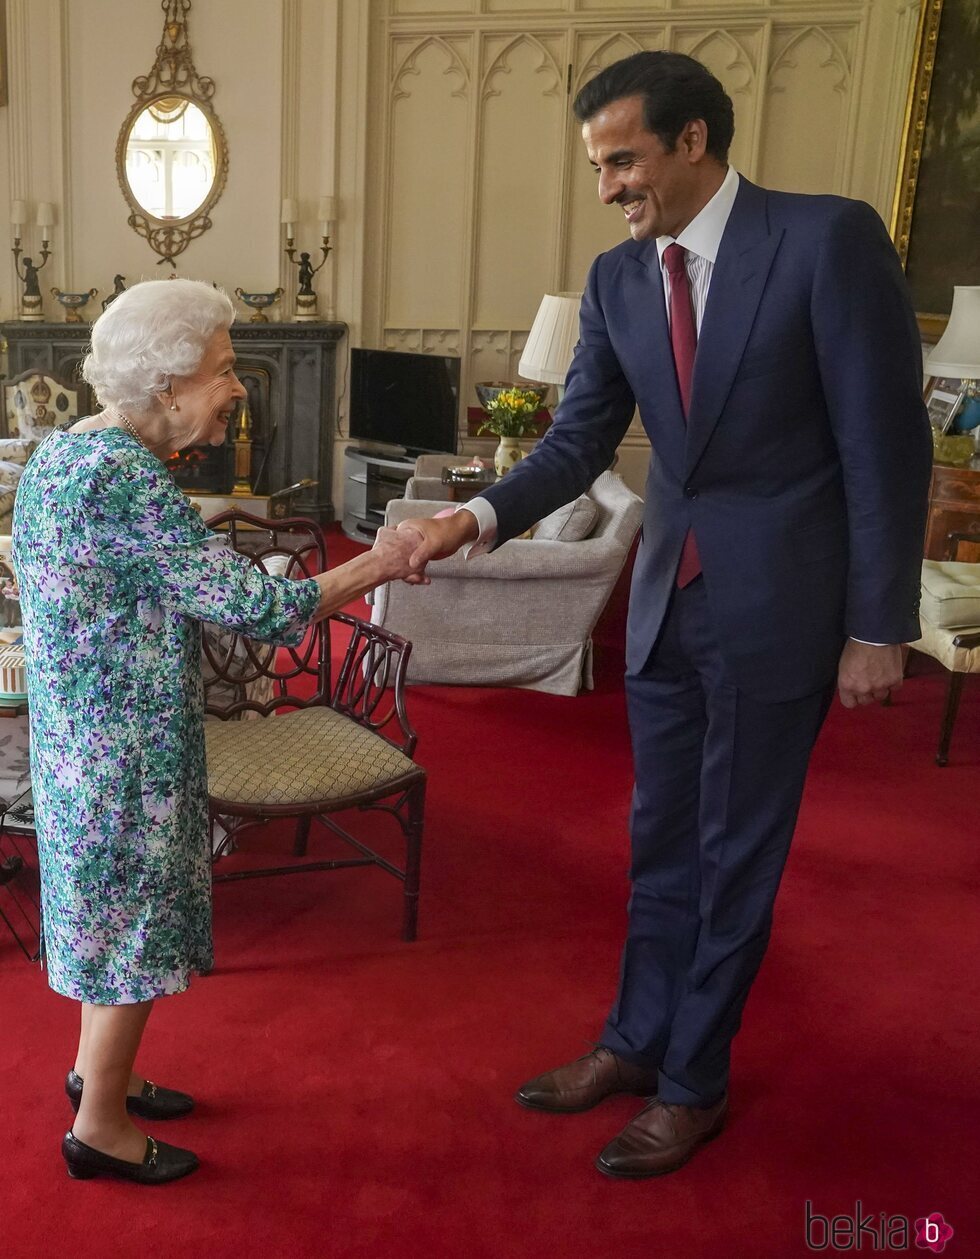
(289, 213)
(18, 213)
(327, 210)
(554, 333)
(45, 214)
(958, 352)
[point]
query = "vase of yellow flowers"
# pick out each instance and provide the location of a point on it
(510, 414)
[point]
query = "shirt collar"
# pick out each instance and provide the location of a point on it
(703, 234)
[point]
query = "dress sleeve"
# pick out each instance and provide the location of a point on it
(139, 526)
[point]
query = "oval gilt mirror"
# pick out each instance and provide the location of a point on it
(171, 155)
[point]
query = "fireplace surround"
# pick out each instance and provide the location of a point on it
(289, 372)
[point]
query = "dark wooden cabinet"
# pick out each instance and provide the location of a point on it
(954, 506)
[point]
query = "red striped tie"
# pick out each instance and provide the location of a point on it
(684, 343)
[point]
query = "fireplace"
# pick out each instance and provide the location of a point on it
(289, 373)
(211, 469)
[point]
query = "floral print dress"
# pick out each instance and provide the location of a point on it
(116, 572)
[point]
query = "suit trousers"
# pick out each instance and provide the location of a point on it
(719, 777)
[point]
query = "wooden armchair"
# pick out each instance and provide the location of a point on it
(321, 743)
(950, 622)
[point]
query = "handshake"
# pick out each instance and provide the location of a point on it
(404, 552)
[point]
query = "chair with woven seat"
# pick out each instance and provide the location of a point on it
(321, 743)
(949, 616)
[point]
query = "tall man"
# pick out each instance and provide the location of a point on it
(769, 343)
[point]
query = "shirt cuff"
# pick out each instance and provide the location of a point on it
(486, 518)
(865, 643)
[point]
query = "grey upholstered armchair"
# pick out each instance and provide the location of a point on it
(521, 616)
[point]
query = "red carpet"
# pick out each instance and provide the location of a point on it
(354, 1091)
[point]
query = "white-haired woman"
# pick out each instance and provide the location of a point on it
(116, 571)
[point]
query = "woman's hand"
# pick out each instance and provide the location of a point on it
(390, 560)
(395, 548)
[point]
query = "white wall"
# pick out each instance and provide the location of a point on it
(443, 128)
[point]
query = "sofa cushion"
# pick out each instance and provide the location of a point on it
(950, 593)
(571, 523)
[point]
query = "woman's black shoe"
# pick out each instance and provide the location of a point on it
(160, 1163)
(153, 1103)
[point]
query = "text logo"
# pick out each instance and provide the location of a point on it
(863, 1230)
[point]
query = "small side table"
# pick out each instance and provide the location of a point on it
(20, 897)
(954, 505)
(463, 484)
(19, 884)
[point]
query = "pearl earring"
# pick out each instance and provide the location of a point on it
(173, 406)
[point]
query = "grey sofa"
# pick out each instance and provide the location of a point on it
(521, 616)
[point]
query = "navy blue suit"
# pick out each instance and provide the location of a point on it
(803, 470)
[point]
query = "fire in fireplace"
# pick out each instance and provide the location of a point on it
(207, 469)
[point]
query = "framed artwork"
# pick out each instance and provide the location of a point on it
(3, 52)
(937, 202)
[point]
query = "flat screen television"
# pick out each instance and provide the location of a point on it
(408, 402)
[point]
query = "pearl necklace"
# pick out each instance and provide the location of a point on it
(127, 425)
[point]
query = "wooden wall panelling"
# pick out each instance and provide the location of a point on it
(425, 190)
(522, 114)
(808, 99)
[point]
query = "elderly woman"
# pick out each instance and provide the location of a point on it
(116, 572)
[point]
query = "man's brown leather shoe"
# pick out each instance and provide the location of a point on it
(579, 1085)
(661, 1138)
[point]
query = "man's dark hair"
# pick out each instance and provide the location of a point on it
(675, 90)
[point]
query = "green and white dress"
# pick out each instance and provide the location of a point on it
(116, 572)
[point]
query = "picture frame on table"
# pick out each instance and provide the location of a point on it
(937, 196)
(943, 399)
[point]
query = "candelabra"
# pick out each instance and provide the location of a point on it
(31, 303)
(243, 453)
(306, 298)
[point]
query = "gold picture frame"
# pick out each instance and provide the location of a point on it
(937, 195)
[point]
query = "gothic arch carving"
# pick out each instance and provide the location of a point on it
(598, 61)
(499, 66)
(408, 66)
(740, 57)
(836, 57)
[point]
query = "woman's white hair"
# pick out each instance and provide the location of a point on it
(150, 333)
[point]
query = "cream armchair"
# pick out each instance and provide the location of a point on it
(521, 616)
(14, 453)
(949, 616)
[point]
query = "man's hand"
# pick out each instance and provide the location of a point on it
(440, 536)
(393, 550)
(868, 674)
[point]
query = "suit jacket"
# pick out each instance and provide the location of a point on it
(803, 465)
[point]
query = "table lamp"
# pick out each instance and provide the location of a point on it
(551, 341)
(957, 353)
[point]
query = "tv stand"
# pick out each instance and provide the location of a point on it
(370, 480)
